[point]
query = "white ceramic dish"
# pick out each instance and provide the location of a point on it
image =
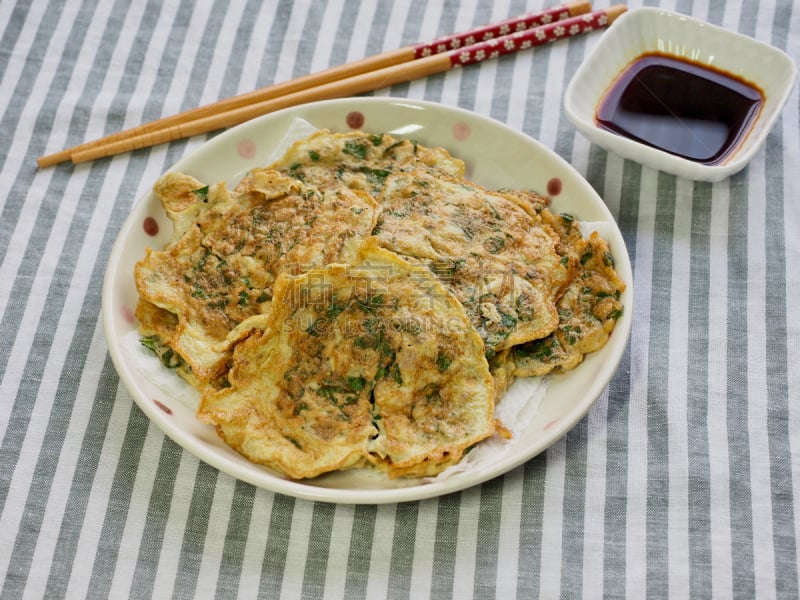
(495, 156)
(654, 30)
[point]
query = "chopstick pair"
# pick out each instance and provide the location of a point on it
(382, 70)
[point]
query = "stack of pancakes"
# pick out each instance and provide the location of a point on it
(361, 303)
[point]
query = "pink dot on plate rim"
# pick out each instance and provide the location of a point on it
(127, 314)
(461, 131)
(554, 186)
(246, 148)
(150, 226)
(355, 119)
(162, 406)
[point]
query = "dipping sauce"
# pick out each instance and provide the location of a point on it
(681, 107)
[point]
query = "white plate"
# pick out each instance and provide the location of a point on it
(655, 30)
(495, 155)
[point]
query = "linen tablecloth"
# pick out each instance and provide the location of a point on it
(683, 480)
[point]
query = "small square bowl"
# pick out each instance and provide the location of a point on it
(650, 30)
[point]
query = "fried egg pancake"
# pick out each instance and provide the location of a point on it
(228, 249)
(362, 160)
(496, 256)
(588, 311)
(371, 363)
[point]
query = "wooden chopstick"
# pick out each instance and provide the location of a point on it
(364, 82)
(427, 61)
(372, 63)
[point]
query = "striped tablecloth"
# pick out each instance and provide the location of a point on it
(683, 479)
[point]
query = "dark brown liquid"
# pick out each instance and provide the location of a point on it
(681, 107)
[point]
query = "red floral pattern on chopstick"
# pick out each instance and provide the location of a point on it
(490, 32)
(523, 40)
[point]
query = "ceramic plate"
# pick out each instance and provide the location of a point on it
(647, 30)
(495, 155)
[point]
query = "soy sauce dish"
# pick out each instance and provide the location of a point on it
(678, 94)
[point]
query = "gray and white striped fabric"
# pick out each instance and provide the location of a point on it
(683, 479)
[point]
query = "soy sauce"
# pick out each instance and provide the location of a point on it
(681, 107)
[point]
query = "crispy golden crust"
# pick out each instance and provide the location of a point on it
(357, 363)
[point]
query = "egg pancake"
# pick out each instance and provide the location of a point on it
(498, 258)
(361, 160)
(371, 363)
(588, 312)
(228, 249)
